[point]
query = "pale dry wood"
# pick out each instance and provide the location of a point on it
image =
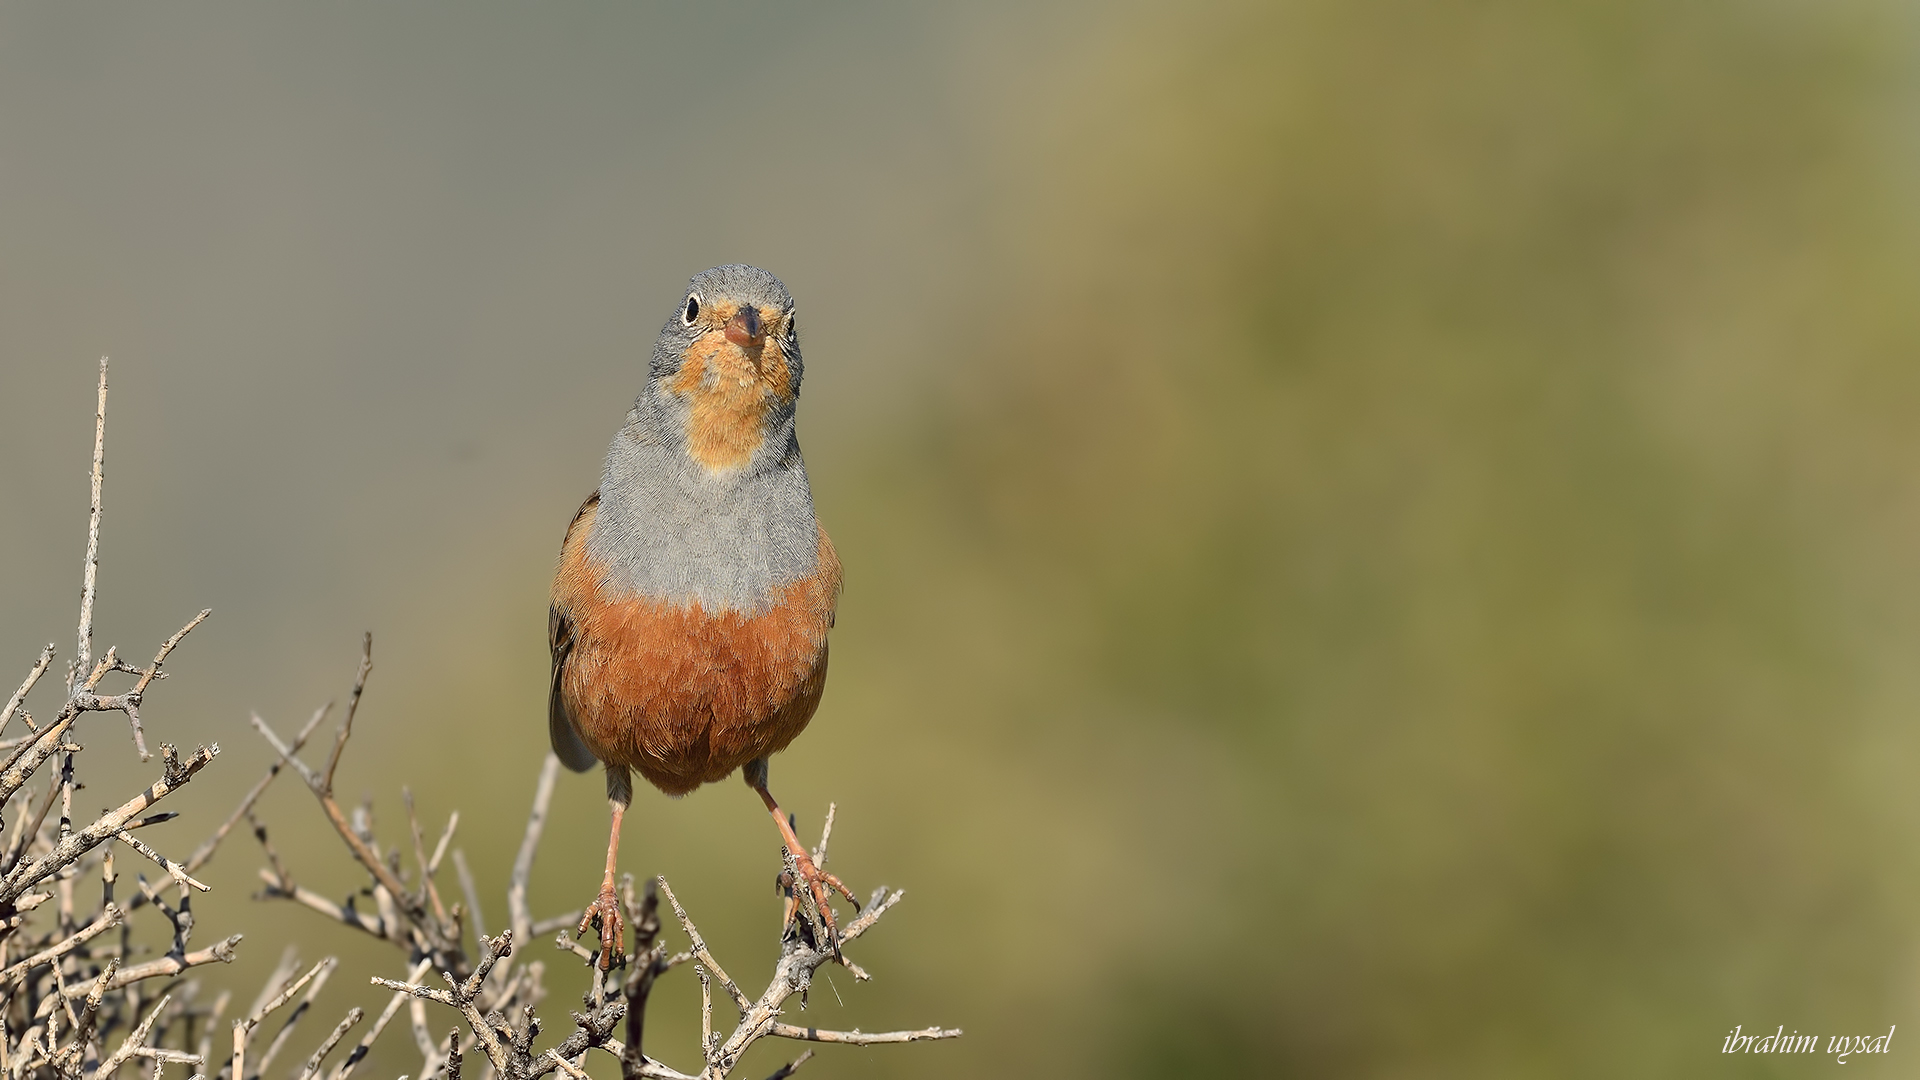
(707, 1046)
(71, 847)
(129, 702)
(13, 975)
(181, 917)
(205, 1048)
(472, 893)
(287, 993)
(27, 832)
(68, 1060)
(356, 844)
(345, 1069)
(63, 994)
(440, 848)
(700, 947)
(353, 707)
(222, 953)
(133, 1043)
(563, 921)
(517, 908)
(283, 972)
(462, 997)
(420, 856)
(858, 1038)
(174, 870)
(90, 572)
(26, 687)
(287, 753)
(312, 1069)
(202, 854)
(422, 1039)
(316, 980)
(566, 1066)
(278, 887)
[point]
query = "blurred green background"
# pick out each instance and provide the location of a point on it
(1382, 539)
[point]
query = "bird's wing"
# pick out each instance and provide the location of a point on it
(560, 733)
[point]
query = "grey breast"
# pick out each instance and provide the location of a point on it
(669, 530)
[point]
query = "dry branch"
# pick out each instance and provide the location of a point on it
(63, 985)
(26, 687)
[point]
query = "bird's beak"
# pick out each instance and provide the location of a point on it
(745, 328)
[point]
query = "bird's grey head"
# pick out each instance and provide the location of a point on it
(725, 374)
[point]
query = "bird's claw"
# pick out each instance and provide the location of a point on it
(818, 883)
(604, 913)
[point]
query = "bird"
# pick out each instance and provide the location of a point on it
(695, 588)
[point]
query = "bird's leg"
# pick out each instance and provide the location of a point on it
(604, 912)
(818, 881)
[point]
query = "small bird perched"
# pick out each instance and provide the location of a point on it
(695, 590)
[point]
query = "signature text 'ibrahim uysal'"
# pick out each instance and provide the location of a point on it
(1784, 1042)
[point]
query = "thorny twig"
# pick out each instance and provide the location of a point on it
(26, 687)
(83, 652)
(64, 988)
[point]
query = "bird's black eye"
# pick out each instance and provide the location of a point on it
(692, 312)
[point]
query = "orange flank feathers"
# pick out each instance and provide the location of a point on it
(679, 694)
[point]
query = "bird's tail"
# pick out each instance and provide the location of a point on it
(566, 742)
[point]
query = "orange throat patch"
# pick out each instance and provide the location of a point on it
(731, 389)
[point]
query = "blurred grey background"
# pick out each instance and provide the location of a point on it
(1381, 538)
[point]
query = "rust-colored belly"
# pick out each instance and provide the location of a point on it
(682, 696)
